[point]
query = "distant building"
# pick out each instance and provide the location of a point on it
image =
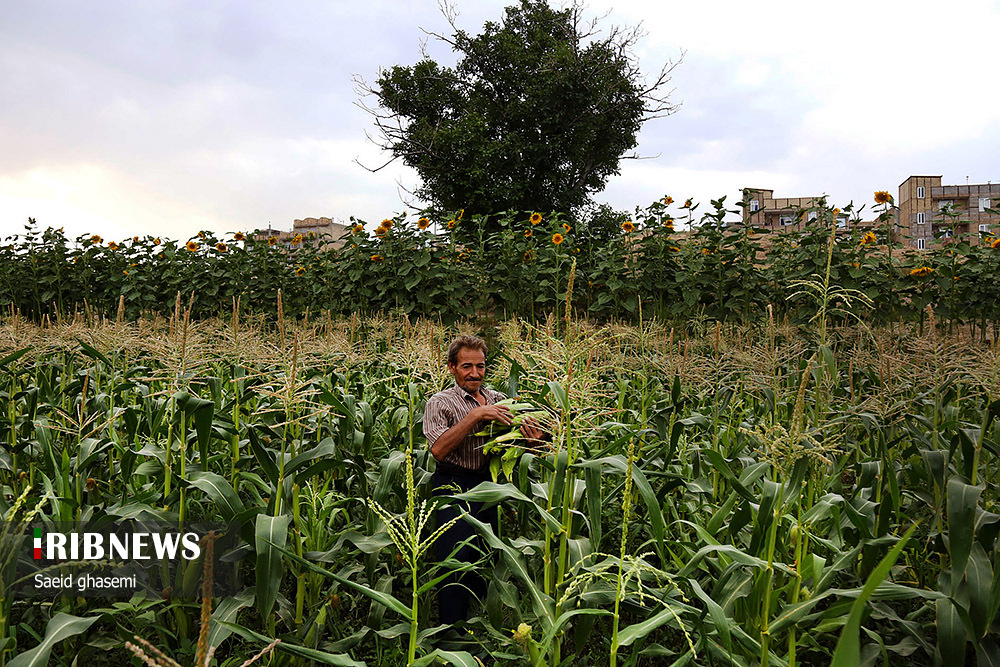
(922, 201)
(783, 213)
(312, 230)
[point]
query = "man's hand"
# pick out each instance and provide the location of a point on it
(493, 413)
(532, 432)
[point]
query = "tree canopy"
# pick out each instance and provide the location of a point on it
(536, 114)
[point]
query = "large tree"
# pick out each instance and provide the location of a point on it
(536, 114)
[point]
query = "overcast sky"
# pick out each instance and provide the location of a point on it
(157, 117)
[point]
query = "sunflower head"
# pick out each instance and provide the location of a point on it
(377, 258)
(451, 224)
(357, 229)
(528, 255)
(112, 245)
(628, 227)
(535, 218)
(96, 239)
(221, 247)
(238, 236)
(201, 235)
(135, 239)
(527, 233)
(387, 223)
(668, 200)
(381, 232)
(423, 223)
(462, 256)
(300, 271)
(191, 246)
(995, 244)
(882, 197)
(566, 228)
(687, 204)
(156, 241)
(297, 239)
(557, 238)
(272, 241)
(922, 271)
(869, 238)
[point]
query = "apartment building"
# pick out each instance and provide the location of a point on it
(311, 230)
(923, 204)
(765, 211)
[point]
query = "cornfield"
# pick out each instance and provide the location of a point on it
(720, 494)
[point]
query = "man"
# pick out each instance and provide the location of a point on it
(451, 417)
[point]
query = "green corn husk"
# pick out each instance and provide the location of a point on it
(502, 437)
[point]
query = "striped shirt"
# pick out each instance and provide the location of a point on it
(445, 409)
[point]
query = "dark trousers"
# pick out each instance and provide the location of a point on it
(456, 590)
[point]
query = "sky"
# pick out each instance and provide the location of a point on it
(125, 117)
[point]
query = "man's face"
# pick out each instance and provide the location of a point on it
(469, 369)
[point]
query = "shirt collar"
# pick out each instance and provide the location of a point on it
(465, 394)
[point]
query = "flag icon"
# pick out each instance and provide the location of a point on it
(38, 543)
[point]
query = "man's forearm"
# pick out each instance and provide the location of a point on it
(453, 437)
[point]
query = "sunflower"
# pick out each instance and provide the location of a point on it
(674, 248)
(377, 258)
(461, 213)
(423, 223)
(297, 239)
(869, 238)
(882, 197)
(566, 227)
(357, 229)
(557, 238)
(628, 227)
(96, 239)
(192, 246)
(922, 271)
(238, 236)
(221, 247)
(535, 218)
(528, 255)
(156, 241)
(201, 235)
(668, 222)
(576, 251)
(300, 271)
(387, 223)
(668, 200)
(112, 245)
(272, 241)
(125, 271)
(135, 239)
(527, 233)
(451, 224)
(687, 204)
(381, 232)
(461, 256)
(995, 244)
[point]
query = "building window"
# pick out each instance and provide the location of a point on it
(944, 203)
(813, 215)
(841, 222)
(920, 244)
(984, 228)
(984, 203)
(947, 234)
(920, 192)
(786, 220)
(920, 218)
(754, 205)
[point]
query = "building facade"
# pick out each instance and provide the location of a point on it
(780, 214)
(315, 231)
(930, 212)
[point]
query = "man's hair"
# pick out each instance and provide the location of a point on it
(465, 340)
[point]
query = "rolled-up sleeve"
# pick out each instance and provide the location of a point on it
(438, 418)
